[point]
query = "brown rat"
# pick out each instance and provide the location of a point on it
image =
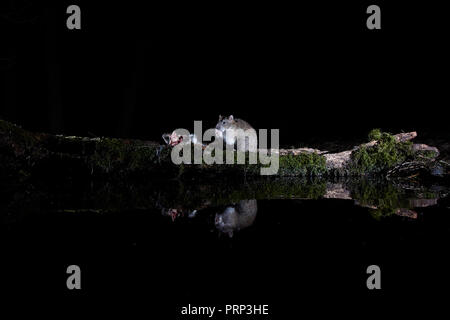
(237, 131)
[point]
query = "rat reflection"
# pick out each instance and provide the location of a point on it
(233, 218)
(236, 217)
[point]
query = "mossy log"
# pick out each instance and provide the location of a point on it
(24, 154)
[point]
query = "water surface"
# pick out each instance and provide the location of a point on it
(261, 241)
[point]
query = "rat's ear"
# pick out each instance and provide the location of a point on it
(220, 117)
(231, 117)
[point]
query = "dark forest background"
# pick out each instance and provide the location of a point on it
(313, 70)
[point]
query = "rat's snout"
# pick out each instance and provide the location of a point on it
(218, 219)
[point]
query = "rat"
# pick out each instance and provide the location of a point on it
(237, 131)
(236, 217)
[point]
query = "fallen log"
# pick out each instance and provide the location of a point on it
(24, 154)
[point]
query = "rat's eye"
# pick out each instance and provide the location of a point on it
(223, 122)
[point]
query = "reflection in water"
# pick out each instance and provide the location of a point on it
(382, 198)
(177, 213)
(235, 218)
(201, 200)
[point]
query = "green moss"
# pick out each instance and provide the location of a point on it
(375, 134)
(304, 164)
(384, 155)
(382, 198)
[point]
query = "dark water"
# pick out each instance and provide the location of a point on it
(294, 249)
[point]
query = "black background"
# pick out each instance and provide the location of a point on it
(310, 69)
(313, 70)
